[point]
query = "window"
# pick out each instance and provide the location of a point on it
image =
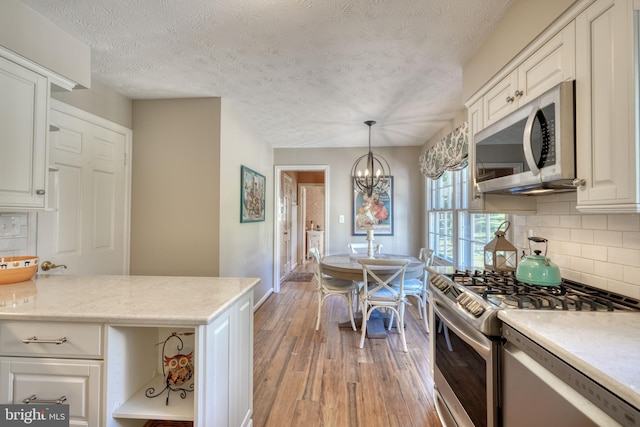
(457, 236)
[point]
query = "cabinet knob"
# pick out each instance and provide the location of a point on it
(578, 182)
(510, 99)
(40, 192)
(519, 93)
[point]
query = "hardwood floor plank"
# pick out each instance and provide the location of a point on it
(289, 392)
(306, 413)
(304, 377)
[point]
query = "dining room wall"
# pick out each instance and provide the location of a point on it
(408, 194)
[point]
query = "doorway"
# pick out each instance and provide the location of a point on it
(289, 215)
(312, 219)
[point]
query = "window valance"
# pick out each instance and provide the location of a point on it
(450, 153)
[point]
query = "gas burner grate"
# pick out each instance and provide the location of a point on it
(503, 289)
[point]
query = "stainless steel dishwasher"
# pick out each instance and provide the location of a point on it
(539, 389)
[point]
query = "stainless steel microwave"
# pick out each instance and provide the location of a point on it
(532, 150)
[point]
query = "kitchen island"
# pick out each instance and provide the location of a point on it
(98, 341)
(604, 346)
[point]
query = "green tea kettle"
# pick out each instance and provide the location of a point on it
(538, 269)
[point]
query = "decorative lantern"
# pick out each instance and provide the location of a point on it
(500, 254)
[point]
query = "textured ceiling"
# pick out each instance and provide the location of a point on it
(307, 73)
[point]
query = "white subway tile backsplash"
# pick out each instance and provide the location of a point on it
(595, 252)
(562, 260)
(582, 236)
(550, 221)
(609, 270)
(607, 238)
(570, 221)
(596, 222)
(571, 275)
(570, 248)
(599, 282)
(631, 239)
(623, 222)
(632, 274)
(559, 234)
(582, 264)
(624, 256)
(599, 250)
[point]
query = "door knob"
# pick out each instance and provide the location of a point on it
(48, 265)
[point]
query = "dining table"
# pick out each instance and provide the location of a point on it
(346, 266)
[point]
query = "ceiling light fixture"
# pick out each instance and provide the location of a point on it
(375, 173)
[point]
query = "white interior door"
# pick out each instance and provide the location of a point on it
(285, 226)
(302, 204)
(87, 228)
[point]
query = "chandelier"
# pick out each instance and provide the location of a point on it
(370, 172)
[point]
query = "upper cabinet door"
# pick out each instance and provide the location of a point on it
(606, 108)
(552, 63)
(23, 136)
(499, 100)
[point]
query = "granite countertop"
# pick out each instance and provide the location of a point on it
(187, 301)
(603, 346)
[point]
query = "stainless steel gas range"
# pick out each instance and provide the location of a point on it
(475, 358)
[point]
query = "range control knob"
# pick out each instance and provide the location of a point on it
(441, 283)
(476, 309)
(470, 304)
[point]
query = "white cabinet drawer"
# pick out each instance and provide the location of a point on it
(77, 381)
(81, 340)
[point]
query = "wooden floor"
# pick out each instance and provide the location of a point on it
(304, 377)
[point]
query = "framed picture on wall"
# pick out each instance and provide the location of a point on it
(374, 212)
(252, 195)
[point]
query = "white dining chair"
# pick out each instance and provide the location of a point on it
(328, 286)
(418, 288)
(378, 292)
(356, 248)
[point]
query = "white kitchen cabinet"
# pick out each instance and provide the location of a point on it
(223, 371)
(315, 239)
(241, 390)
(72, 382)
(23, 136)
(549, 64)
(552, 63)
(476, 199)
(25, 372)
(607, 147)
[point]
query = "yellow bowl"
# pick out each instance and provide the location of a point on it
(16, 269)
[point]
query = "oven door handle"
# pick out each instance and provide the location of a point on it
(475, 339)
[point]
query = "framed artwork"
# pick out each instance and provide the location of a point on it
(252, 194)
(374, 212)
